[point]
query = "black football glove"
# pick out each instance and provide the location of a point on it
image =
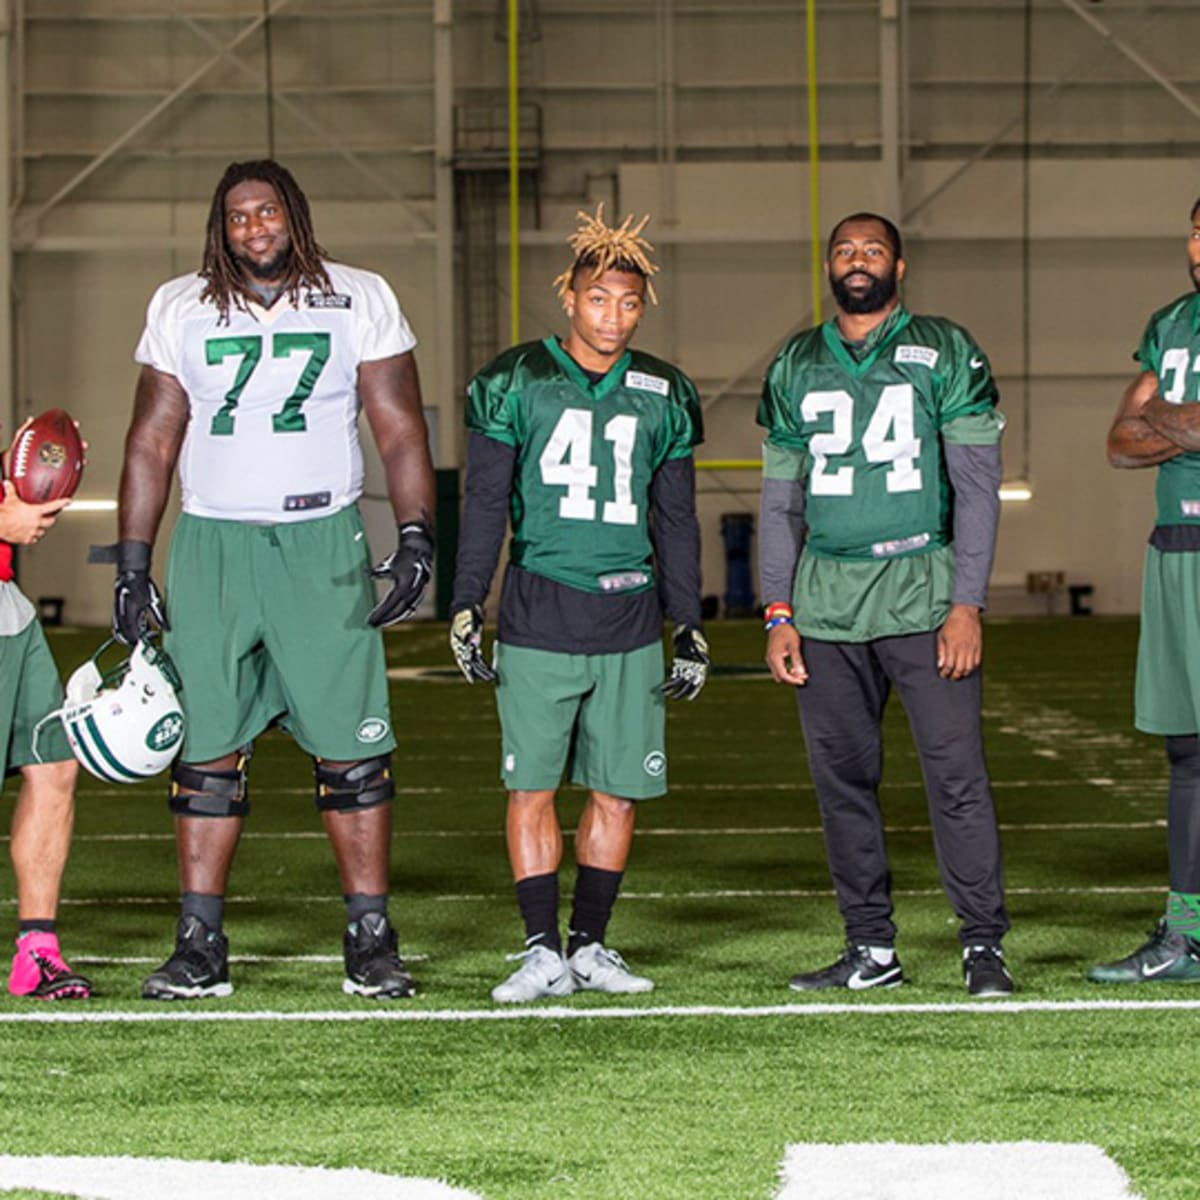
(409, 567)
(689, 670)
(136, 600)
(466, 640)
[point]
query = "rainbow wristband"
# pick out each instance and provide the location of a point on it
(778, 613)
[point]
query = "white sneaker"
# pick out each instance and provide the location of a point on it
(596, 968)
(541, 973)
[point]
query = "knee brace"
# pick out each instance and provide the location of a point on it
(211, 793)
(363, 784)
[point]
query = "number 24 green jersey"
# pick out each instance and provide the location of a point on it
(866, 432)
(586, 455)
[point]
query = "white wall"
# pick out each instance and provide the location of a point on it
(1109, 184)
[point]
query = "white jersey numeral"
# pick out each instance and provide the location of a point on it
(894, 414)
(1175, 363)
(567, 462)
(833, 444)
(890, 437)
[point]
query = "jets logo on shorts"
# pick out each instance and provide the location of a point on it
(372, 730)
(655, 763)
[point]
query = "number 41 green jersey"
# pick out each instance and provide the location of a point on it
(865, 425)
(586, 453)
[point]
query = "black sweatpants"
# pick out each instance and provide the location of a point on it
(841, 707)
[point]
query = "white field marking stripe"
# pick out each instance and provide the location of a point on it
(982, 1170)
(1094, 751)
(1137, 784)
(986, 1008)
(1152, 889)
(113, 1178)
(101, 960)
(728, 831)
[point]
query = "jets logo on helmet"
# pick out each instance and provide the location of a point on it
(127, 725)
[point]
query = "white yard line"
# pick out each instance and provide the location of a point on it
(300, 835)
(1150, 889)
(86, 1014)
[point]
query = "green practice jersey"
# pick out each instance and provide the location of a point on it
(586, 454)
(865, 426)
(1170, 348)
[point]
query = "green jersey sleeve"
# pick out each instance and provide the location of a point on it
(685, 425)
(492, 409)
(1150, 352)
(778, 410)
(968, 387)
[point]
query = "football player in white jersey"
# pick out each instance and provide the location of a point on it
(253, 372)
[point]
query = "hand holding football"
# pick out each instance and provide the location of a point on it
(46, 461)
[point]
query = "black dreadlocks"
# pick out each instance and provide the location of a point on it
(226, 286)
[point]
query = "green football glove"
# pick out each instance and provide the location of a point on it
(689, 671)
(466, 641)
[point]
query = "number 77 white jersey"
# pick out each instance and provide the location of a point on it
(866, 433)
(273, 429)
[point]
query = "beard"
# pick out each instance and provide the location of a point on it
(877, 296)
(267, 272)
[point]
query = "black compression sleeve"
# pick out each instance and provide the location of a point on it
(675, 532)
(490, 467)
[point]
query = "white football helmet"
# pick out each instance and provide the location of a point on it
(126, 725)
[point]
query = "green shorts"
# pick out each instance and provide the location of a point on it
(599, 716)
(270, 622)
(31, 689)
(1167, 689)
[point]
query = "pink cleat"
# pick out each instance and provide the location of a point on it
(38, 970)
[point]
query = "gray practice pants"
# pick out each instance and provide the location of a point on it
(841, 707)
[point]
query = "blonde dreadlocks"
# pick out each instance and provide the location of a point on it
(601, 249)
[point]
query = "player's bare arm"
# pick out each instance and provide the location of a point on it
(960, 642)
(391, 397)
(784, 657)
(1134, 441)
(160, 418)
(390, 391)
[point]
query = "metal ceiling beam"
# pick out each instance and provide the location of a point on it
(1143, 64)
(314, 126)
(763, 355)
(27, 221)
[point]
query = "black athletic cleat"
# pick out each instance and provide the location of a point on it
(1167, 957)
(856, 970)
(199, 967)
(373, 965)
(984, 972)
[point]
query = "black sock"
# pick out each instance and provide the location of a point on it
(595, 894)
(1183, 813)
(537, 898)
(205, 907)
(358, 904)
(37, 925)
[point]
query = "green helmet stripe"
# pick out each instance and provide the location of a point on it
(110, 767)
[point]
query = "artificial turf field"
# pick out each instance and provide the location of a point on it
(726, 896)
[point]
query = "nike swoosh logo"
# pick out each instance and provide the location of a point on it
(976, 363)
(558, 979)
(856, 982)
(1149, 972)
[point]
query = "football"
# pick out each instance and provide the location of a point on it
(46, 462)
